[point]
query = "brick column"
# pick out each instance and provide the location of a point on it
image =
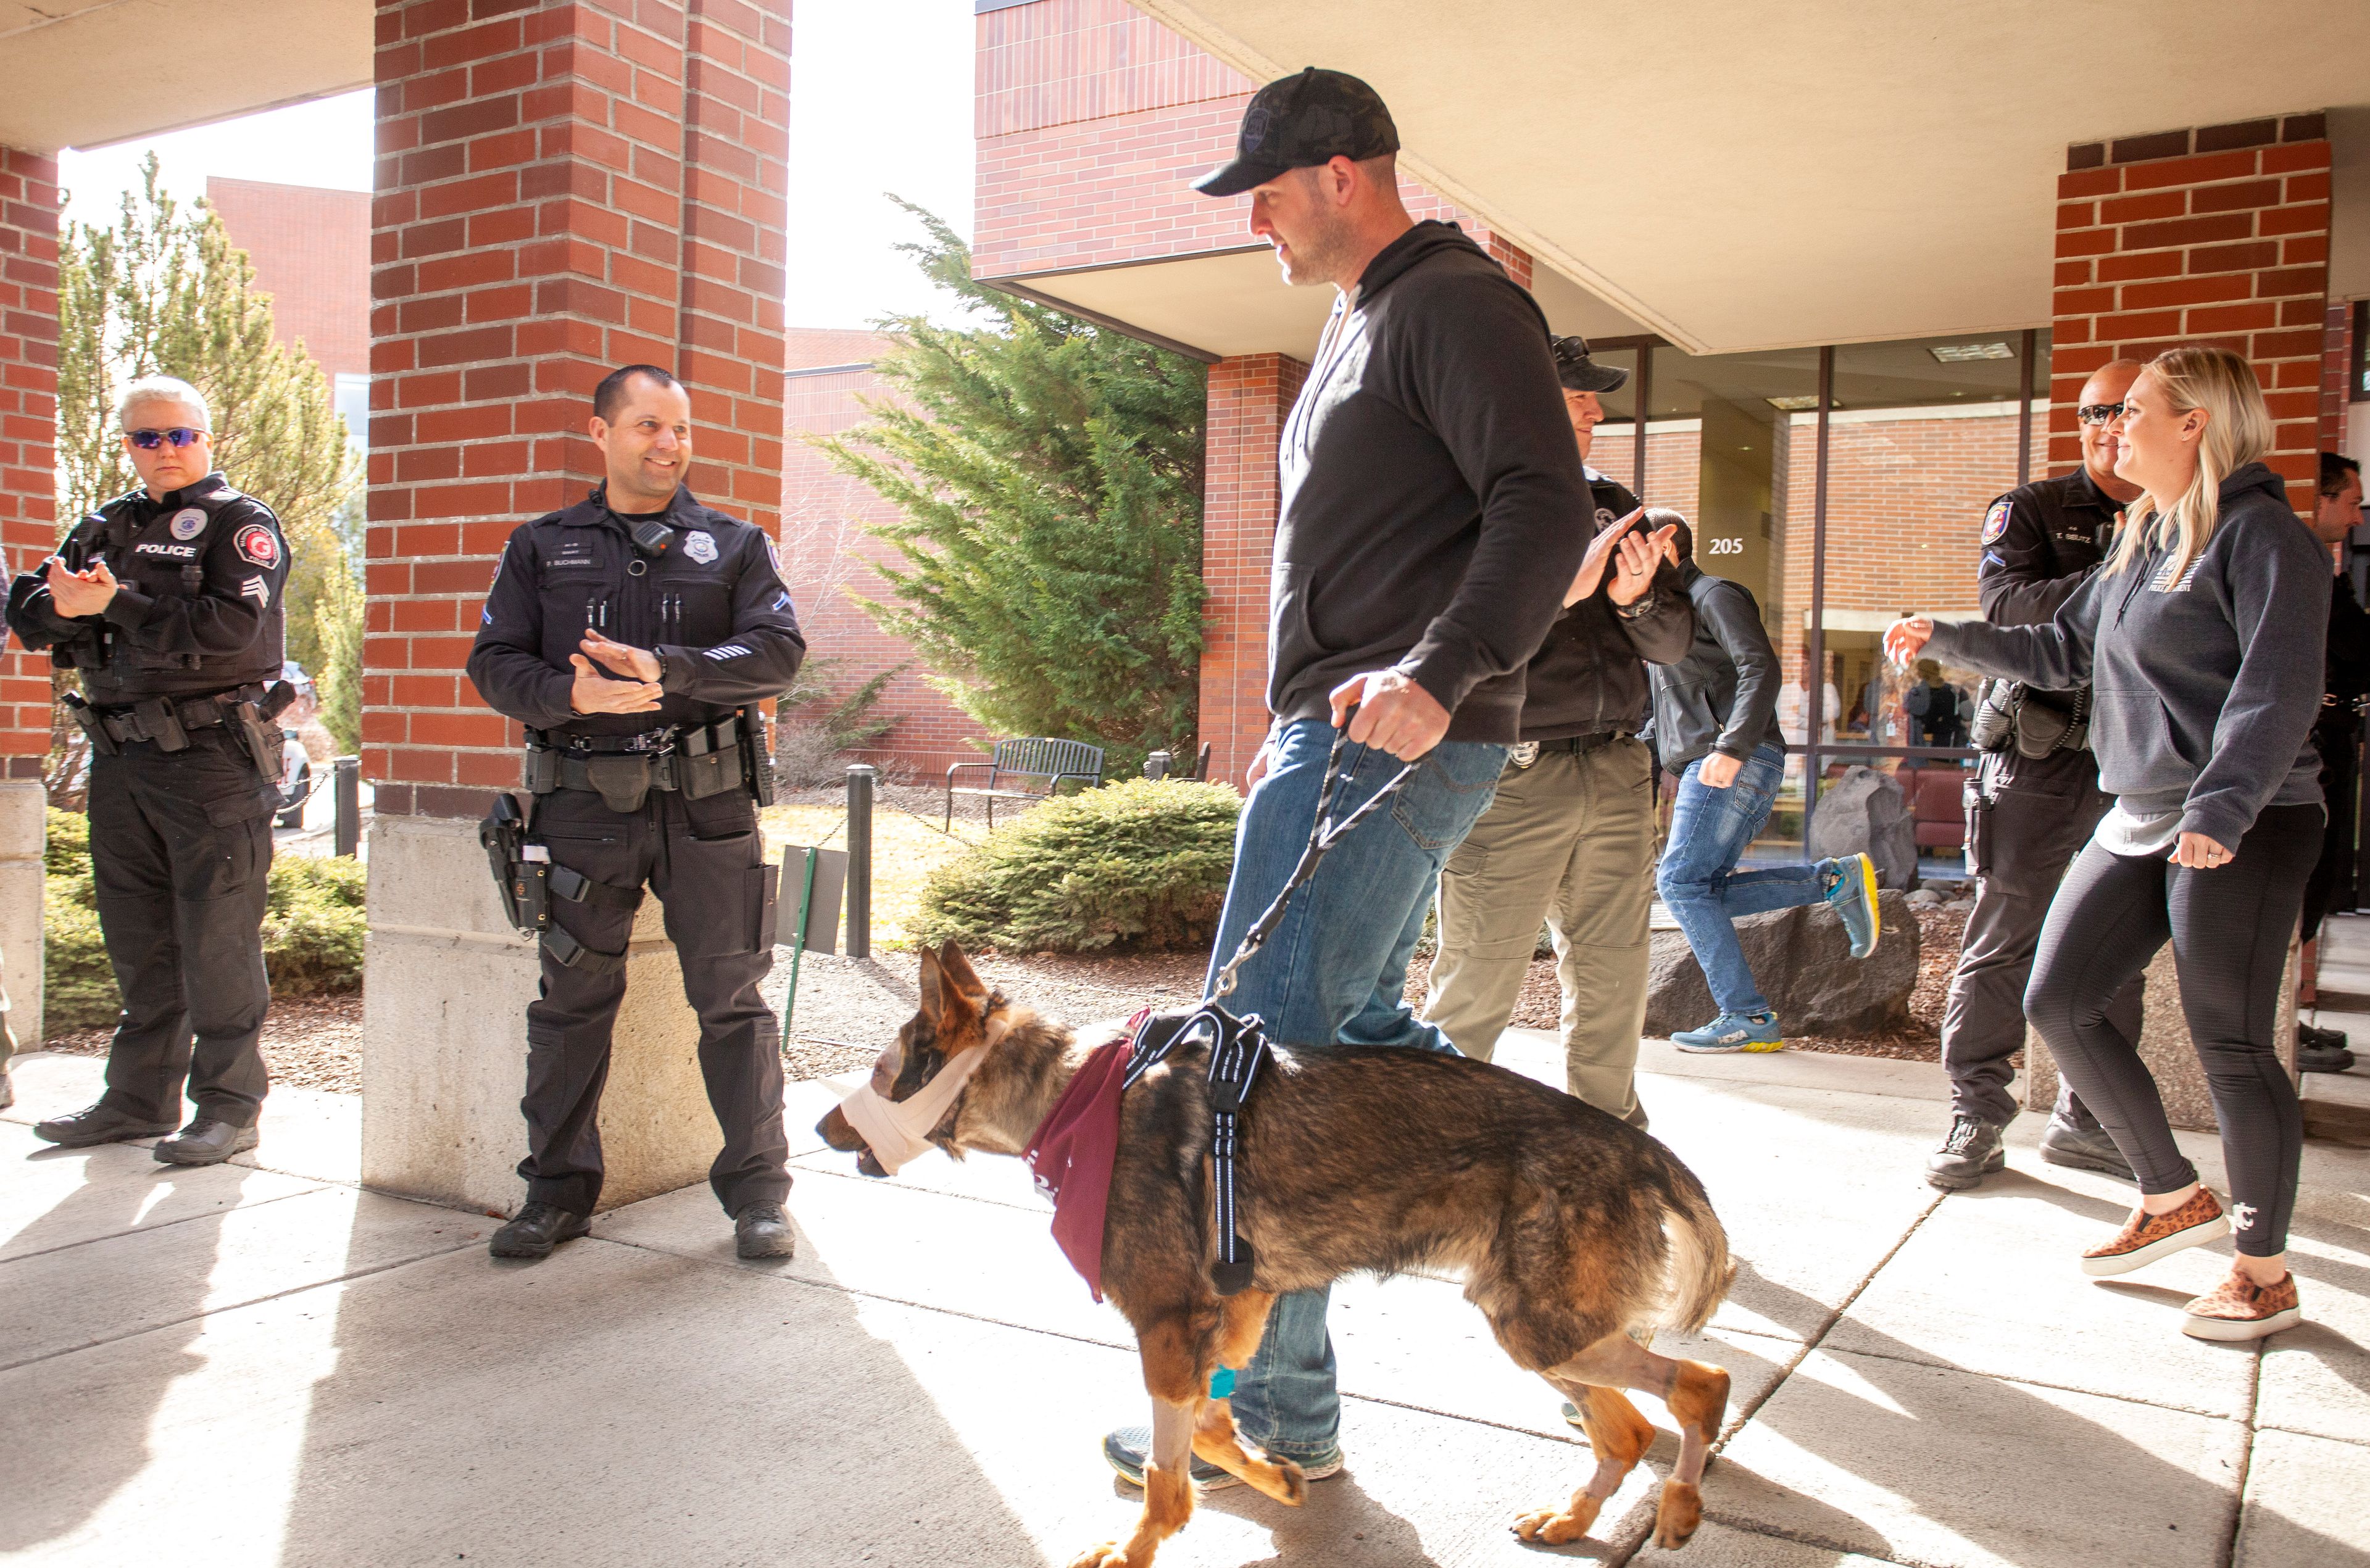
(561, 190)
(2218, 236)
(1248, 398)
(562, 187)
(28, 531)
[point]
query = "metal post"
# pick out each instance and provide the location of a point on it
(349, 783)
(1155, 765)
(1815, 687)
(2031, 352)
(860, 777)
(798, 940)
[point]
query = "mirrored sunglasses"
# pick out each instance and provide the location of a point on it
(179, 435)
(2098, 412)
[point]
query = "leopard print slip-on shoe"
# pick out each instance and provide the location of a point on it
(2240, 1308)
(2148, 1237)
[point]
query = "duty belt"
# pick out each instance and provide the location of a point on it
(158, 718)
(696, 761)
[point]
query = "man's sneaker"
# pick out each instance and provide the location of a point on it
(2083, 1149)
(2148, 1237)
(761, 1230)
(2315, 1058)
(1972, 1153)
(101, 1123)
(1125, 1448)
(2240, 1308)
(1733, 1032)
(2314, 1034)
(206, 1141)
(1853, 898)
(538, 1228)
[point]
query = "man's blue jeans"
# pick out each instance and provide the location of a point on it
(1710, 831)
(1333, 972)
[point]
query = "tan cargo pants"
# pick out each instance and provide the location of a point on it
(1570, 840)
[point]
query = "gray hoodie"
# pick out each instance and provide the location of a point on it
(2206, 688)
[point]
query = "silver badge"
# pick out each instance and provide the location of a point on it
(700, 547)
(189, 522)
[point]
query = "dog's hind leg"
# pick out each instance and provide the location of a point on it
(1618, 1436)
(1697, 1394)
(1214, 1437)
(1176, 1385)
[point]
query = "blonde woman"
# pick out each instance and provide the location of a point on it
(2201, 636)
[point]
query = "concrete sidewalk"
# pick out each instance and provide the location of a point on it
(259, 1363)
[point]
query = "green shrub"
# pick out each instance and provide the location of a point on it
(312, 929)
(1135, 865)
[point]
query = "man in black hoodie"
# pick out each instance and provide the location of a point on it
(1433, 513)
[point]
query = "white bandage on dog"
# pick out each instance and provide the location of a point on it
(898, 1130)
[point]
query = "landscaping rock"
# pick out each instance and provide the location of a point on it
(1924, 899)
(1863, 813)
(1803, 962)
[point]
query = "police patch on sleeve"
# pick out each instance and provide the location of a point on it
(259, 544)
(700, 546)
(774, 554)
(189, 522)
(1995, 521)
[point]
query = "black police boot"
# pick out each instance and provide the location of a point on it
(2314, 1034)
(763, 1231)
(205, 1141)
(1973, 1152)
(2313, 1058)
(101, 1123)
(538, 1228)
(2083, 1149)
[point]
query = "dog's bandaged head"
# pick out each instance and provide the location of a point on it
(898, 1130)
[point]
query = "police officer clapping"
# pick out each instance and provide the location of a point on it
(167, 601)
(632, 634)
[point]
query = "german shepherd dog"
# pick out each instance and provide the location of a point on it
(1577, 1234)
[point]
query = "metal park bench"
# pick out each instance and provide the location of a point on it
(1031, 768)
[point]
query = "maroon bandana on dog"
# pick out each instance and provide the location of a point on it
(1073, 1149)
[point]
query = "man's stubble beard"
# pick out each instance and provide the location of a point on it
(1320, 256)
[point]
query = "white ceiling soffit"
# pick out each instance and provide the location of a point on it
(1738, 174)
(84, 72)
(1237, 302)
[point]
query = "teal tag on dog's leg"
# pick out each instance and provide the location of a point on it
(1222, 1383)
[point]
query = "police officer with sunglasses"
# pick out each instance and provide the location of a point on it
(2032, 804)
(168, 603)
(634, 633)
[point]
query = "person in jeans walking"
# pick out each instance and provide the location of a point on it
(2201, 638)
(1716, 725)
(1433, 512)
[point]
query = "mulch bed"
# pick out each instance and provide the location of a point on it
(309, 1042)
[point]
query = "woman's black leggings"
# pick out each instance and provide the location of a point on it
(2229, 928)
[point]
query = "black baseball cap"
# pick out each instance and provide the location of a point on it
(1301, 122)
(1578, 373)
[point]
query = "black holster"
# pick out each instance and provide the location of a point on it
(756, 757)
(522, 883)
(92, 726)
(160, 720)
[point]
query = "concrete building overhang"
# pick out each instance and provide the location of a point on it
(1740, 177)
(84, 72)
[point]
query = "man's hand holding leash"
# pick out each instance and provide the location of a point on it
(1390, 713)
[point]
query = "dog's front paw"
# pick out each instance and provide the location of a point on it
(1110, 1554)
(1676, 1516)
(1557, 1526)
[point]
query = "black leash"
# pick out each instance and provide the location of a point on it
(1237, 1046)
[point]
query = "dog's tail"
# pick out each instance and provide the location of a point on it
(1700, 1269)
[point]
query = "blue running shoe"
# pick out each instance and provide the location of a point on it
(1730, 1032)
(1853, 898)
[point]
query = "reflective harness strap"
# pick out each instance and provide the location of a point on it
(1237, 1046)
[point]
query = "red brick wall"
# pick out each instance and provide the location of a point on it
(561, 188)
(828, 557)
(2215, 236)
(1248, 398)
(2336, 368)
(1093, 120)
(28, 414)
(310, 248)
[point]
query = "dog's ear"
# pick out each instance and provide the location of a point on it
(933, 987)
(959, 972)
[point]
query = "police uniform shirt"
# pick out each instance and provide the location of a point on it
(712, 607)
(2038, 542)
(201, 572)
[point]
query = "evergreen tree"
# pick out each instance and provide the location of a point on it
(1049, 472)
(164, 293)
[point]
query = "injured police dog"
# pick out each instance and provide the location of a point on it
(1577, 1235)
